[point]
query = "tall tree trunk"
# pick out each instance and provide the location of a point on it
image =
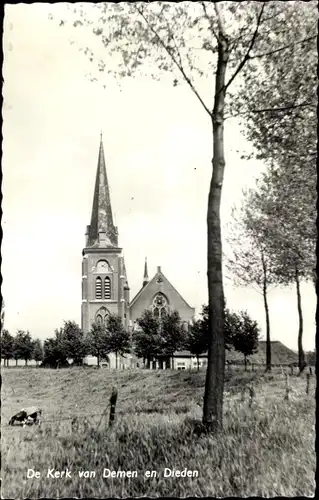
(214, 385)
(116, 359)
(197, 362)
(301, 355)
(245, 361)
(16, 362)
(98, 360)
(268, 342)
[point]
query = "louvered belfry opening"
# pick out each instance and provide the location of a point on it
(98, 288)
(107, 287)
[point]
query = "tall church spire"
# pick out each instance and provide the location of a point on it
(102, 231)
(145, 279)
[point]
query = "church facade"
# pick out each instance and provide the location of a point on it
(105, 287)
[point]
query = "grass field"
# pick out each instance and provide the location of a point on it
(267, 449)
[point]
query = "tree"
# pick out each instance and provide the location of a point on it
(118, 337)
(6, 346)
(245, 339)
(37, 353)
(172, 334)
(165, 36)
(288, 234)
(286, 140)
(73, 341)
(197, 341)
(22, 346)
(147, 340)
(53, 351)
(98, 342)
(248, 260)
(229, 322)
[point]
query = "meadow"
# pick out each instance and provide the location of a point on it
(267, 447)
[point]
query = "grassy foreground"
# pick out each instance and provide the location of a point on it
(267, 449)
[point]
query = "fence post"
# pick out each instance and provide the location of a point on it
(156, 365)
(291, 370)
(243, 394)
(164, 365)
(113, 400)
(287, 387)
(308, 383)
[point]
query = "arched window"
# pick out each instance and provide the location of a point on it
(163, 312)
(107, 287)
(98, 288)
(101, 316)
(160, 305)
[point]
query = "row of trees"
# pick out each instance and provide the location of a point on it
(68, 342)
(160, 339)
(20, 346)
(274, 231)
(154, 339)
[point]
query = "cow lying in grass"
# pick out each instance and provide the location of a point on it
(27, 416)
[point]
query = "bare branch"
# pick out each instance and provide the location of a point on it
(247, 55)
(177, 63)
(284, 108)
(270, 110)
(285, 47)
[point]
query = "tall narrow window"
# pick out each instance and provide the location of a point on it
(160, 306)
(98, 288)
(99, 319)
(107, 287)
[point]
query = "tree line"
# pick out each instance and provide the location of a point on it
(153, 339)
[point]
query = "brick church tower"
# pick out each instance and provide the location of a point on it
(105, 288)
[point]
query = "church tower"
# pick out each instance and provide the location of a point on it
(104, 282)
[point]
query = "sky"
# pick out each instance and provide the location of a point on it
(158, 148)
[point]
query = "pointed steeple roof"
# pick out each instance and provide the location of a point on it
(145, 279)
(126, 285)
(102, 231)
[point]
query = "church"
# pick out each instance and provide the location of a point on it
(105, 287)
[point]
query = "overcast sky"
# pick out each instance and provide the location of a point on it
(158, 147)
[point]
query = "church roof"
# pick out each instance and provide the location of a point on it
(159, 278)
(102, 217)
